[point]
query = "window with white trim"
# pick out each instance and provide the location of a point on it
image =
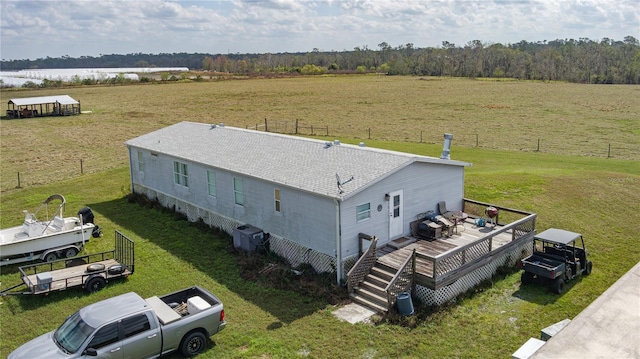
(363, 212)
(180, 173)
(276, 197)
(140, 162)
(237, 191)
(211, 183)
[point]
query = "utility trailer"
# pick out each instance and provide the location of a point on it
(92, 271)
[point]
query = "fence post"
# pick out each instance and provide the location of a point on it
(538, 149)
(19, 180)
(420, 136)
(369, 132)
(609, 152)
(476, 140)
(266, 129)
(296, 126)
(327, 131)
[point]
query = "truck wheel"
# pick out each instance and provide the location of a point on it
(70, 252)
(526, 278)
(587, 270)
(557, 286)
(192, 344)
(94, 284)
(50, 257)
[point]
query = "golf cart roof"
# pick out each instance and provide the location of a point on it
(558, 236)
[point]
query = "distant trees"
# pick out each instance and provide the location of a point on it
(606, 61)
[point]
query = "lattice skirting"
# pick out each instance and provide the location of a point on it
(295, 253)
(467, 282)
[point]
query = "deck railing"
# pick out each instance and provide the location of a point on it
(363, 266)
(449, 266)
(402, 281)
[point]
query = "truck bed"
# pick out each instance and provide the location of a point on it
(172, 307)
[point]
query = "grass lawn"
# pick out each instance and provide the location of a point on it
(595, 196)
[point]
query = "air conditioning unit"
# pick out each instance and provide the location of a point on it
(248, 237)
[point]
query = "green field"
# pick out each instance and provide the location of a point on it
(568, 185)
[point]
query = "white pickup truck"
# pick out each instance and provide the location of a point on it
(128, 326)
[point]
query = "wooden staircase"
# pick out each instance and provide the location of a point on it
(371, 291)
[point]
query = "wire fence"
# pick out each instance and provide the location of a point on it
(552, 145)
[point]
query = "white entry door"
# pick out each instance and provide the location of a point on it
(395, 214)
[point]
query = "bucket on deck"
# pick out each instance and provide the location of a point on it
(405, 304)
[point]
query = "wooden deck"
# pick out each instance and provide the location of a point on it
(440, 262)
(68, 277)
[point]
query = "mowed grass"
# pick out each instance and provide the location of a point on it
(596, 196)
(582, 120)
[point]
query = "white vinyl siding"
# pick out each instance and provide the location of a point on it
(211, 183)
(363, 211)
(180, 173)
(237, 191)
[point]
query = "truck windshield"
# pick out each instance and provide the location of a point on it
(72, 333)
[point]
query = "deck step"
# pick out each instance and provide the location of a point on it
(368, 303)
(372, 295)
(382, 272)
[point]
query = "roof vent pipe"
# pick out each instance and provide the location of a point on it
(447, 147)
(336, 142)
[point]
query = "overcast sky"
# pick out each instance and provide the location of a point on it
(55, 28)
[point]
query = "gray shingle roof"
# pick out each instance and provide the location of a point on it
(307, 164)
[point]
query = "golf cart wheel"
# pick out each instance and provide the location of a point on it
(557, 286)
(587, 270)
(526, 278)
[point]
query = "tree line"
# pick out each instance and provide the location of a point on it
(605, 61)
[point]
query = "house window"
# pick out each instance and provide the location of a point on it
(140, 162)
(180, 174)
(276, 196)
(237, 191)
(363, 212)
(211, 183)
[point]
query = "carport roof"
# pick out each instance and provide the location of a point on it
(61, 99)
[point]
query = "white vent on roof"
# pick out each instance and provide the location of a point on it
(336, 142)
(361, 144)
(221, 124)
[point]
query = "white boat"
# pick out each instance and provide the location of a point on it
(53, 237)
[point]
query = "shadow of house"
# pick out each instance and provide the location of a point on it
(205, 251)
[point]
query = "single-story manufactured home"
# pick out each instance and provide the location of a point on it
(61, 105)
(316, 199)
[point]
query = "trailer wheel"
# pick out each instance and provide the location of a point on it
(70, 252)
(192, 344)
(94, 284)
(50, 257)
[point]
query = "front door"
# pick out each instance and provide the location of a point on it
(395, 214)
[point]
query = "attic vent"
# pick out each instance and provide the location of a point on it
(336, 142)
(221, 124)
(213, 126)
(361, 144)
(327, 144)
